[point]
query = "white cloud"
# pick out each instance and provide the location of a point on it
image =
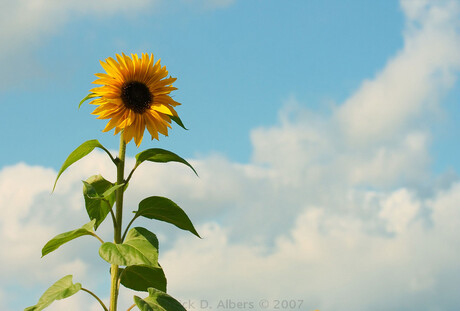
(412, 82)
(78, 302)
(399, 211)
(329, 261)
(330, 209)
(3, 301)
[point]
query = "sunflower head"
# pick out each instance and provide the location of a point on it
(134, 95)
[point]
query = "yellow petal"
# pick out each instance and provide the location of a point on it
(139, 130)
(163, 109)
(112, 71)
(113, 122)
(150, 124)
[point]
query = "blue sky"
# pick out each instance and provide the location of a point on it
(324, 133)
(235, 67)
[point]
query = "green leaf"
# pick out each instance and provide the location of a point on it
(140, 278)
(63, 238)
(99, 196)
(82, 151)
(158, 301)
(104, 192)
(139, 248)
(178, 121)
(96, 207)
(164, 209)
(161, 156)
(61, 289)
(87, 97)
(111, 190)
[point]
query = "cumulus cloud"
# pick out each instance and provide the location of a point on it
(412, 82)
(330, 210)
(330, 261)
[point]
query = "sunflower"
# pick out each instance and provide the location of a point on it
(134, 95)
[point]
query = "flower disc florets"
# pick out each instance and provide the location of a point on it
(136, 96)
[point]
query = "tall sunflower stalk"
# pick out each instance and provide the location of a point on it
(135, 95)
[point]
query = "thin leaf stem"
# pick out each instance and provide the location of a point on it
(110, 155)
(127, 228)
(131, 173)
(114, 220)
(120, 275)
(95, 296)
(97, 237)
(130, 308)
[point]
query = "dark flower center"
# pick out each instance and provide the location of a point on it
(136, 96)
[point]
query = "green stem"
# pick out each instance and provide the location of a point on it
(113, 287)
(120, 161)
(97, 298)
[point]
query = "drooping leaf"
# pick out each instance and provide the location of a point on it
(99, 196)
(164, 209)
(140, 278)
(158, 301)
(139, 248)
(178, 121)
(87, 97)
(61, 289)
(82, 151)
(161, 156)
(65, 237)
